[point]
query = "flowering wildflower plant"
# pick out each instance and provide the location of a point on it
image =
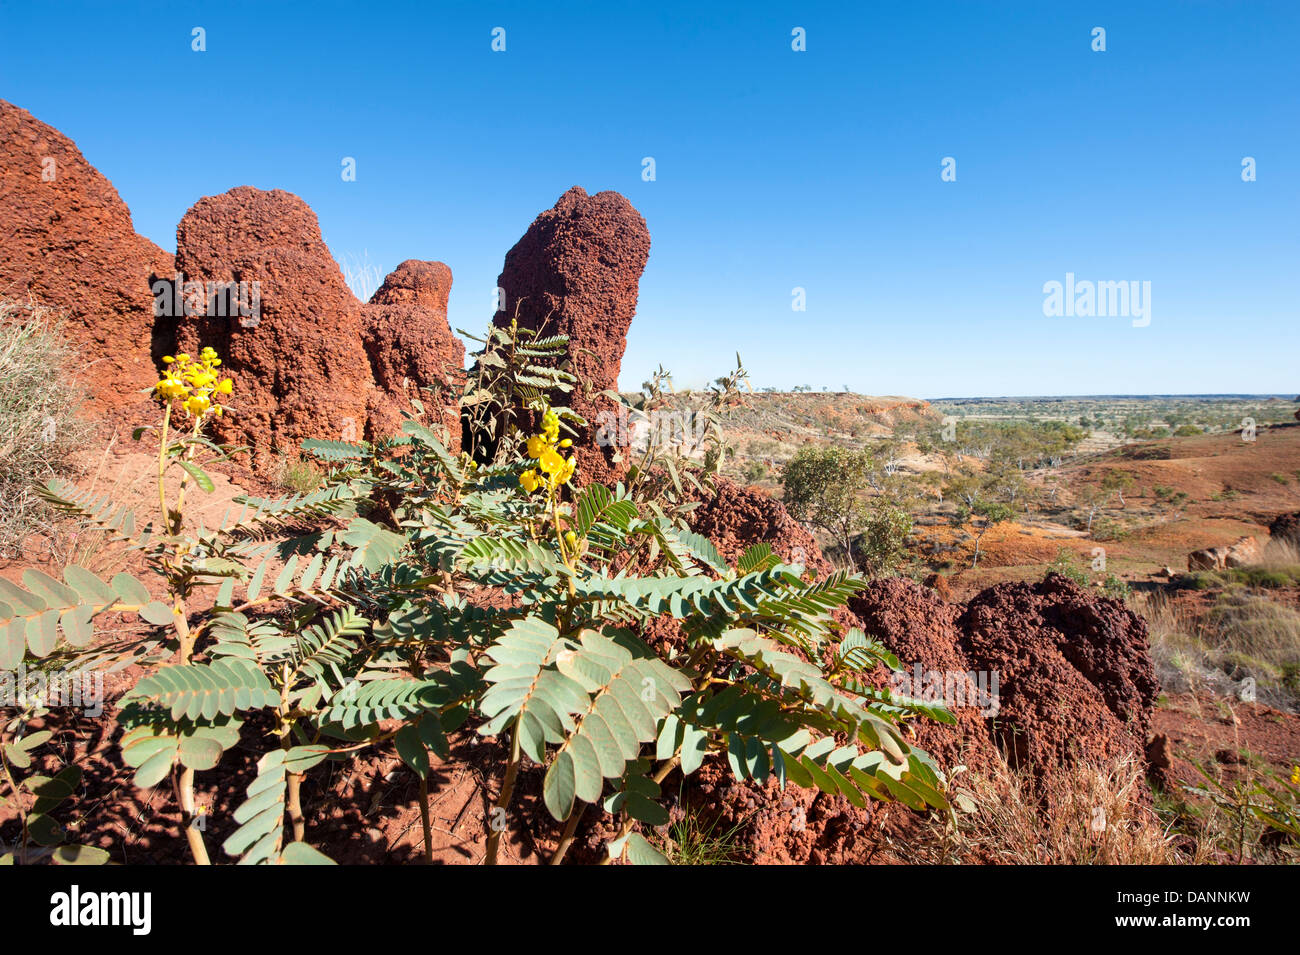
(194, 383)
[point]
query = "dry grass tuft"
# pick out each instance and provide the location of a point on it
(39, 428)
(1088, 815)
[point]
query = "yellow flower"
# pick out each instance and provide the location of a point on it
(536, 446)
(528, 481)
(550, 461)
(1295, 776)
(194, 383)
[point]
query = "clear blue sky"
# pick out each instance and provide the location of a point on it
(775, 169)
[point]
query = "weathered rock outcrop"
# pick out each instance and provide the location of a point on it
(67, 242)
(1076, 683)
(1076, 678)
(921, 630)
(576, 272)
(411, 347)
(735, 516)
(1243, 552)
(299, 365)
(1286, 529)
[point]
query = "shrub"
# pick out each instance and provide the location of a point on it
(1116, 587)
(826, 487)
(39, 430)
(1067, 565)
(350, 619)
(298, 475)
(883, 544)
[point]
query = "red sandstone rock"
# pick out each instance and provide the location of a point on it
(411, 347)
(920, 629)
(735, 516)
(301, 371)
(1076, 678)
(67, 242)
(576, 272)
(1285, 528)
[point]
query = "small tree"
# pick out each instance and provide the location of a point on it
(977, 507)
(883, 543)
(1117, 482)
(826, 487)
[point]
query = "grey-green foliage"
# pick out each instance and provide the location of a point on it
(347, 619)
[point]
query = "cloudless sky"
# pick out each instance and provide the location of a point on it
(775, 169)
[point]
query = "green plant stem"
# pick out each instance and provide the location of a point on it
(424, 821)
(294, 804)
(198, 849)
(20, 853)
(162, 466)
(566, 837)
(503, 801)
(658, 777)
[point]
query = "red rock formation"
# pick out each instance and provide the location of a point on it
(411, 346)
(735, 516)
(301, 371)
(1075, 683)
(575, 272)
(67, 242)
(1285, 528)
(921, 630)
(1076, 678)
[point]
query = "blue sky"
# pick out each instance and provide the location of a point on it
(775, 169)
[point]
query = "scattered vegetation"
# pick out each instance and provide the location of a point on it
(351, 620)
(39, 428)
(299, 475)
(1088, 815)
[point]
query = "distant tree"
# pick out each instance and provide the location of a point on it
(882, 545)
(978, 507)
(826, 487)
(1117, 482)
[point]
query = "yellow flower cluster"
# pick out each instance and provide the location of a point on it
(1295, 776)
(553, 470)
(194, 383)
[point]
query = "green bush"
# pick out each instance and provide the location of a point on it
(1116, 587)
(366, 616)
(1067, 565)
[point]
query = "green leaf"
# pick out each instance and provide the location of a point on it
(411, 748)
(32, 740)
(79, 855)
(299, 853)
(157, 613)
(640, 852)
(44, 831)
(200, 476)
